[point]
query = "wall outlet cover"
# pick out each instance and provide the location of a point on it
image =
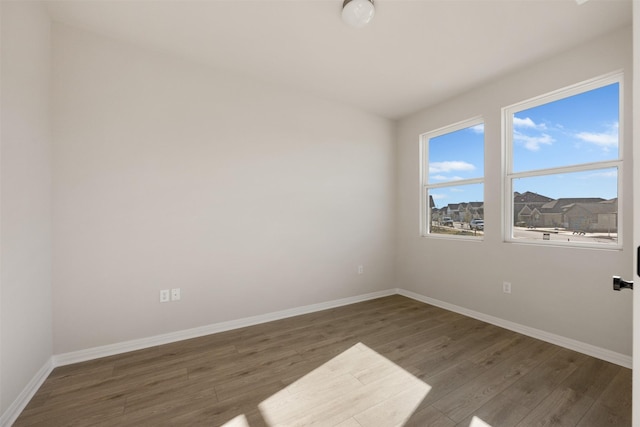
(165, 295)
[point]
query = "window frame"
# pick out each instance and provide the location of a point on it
(425, 186)
(509, 175)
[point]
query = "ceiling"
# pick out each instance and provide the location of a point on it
(414, 54)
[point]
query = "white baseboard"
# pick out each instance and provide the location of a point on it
(123, 347)
(581, 347)
(13, 411)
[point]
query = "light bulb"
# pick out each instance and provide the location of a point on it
(358, 13)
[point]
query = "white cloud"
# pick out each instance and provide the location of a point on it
(527, 123)
(478, 128)
(450, 166)
(445, 178)
(608, 174)
(604, 140)
(533, 143)
(601, 139)
(438, 196)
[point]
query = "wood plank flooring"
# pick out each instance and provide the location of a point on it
(391, 361)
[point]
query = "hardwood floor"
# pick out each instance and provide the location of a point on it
(391, 361)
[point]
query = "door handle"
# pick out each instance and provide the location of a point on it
(619, 284)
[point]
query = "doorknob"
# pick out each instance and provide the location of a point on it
(619, 284)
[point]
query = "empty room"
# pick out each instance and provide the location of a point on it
(318, 212)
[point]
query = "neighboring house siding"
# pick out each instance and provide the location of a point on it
(592, 214)
(592, 217)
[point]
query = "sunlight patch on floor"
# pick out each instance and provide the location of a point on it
(359, 387)
(477, 422)
(239, 421)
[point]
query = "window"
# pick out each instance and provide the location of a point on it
(564, 164)
(453, 181)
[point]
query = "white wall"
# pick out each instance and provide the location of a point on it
(564, 291)
(25, 215)
(168, 174)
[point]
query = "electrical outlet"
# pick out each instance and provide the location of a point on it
(506, 287)
(164, 295)
(175, 294)
(360, 269)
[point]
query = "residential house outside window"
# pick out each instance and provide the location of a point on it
(453, 181)
(564, 163)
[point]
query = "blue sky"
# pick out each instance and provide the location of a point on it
(574, 130)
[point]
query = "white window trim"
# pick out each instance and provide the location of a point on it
(509, 176)
(425, 186)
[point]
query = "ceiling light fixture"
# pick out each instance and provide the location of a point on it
(358, 13)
